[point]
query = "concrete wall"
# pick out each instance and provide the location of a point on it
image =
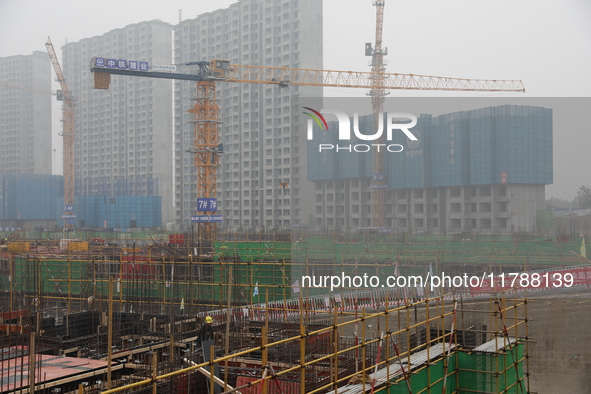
(561, 358)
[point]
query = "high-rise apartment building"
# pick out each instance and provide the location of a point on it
(123, 134)
(25, 114)
(478, 171)
(261, 181)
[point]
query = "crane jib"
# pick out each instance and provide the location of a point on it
(155, 74)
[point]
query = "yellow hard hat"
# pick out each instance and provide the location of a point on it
(208, 319)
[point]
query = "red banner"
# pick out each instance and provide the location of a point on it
(545, 279)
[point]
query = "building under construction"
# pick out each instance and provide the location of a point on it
(124, 314)
(385, 345)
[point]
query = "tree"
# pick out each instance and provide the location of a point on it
(553, 203)
(583, 198)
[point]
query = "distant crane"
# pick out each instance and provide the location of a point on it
(68, 135)
(379, 84)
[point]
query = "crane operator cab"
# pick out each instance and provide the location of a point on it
(219, 69)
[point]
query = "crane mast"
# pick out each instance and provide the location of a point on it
(206, 149)
(68, 138)
(377, 93)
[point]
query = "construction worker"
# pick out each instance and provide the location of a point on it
(206, 332)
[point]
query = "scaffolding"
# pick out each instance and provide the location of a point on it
(422, 345)
(419, 347)
(138, 306)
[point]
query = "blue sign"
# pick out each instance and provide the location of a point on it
(207, 218)
(69, 208)
(378, 177)
(68, 216)
(207, 204)
(121, 64)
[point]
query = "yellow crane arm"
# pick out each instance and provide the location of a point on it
(25, 87)
(356, 79)
(58, 70)
(222, 71)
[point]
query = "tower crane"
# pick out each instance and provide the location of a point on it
(377, 94)
(206, 110)
(68, 137)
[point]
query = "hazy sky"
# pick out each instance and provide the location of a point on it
(545, 43)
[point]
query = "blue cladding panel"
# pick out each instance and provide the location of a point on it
(30, 196)
(342, 161)
(461, 148)
(119, 211)
(448, 151)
